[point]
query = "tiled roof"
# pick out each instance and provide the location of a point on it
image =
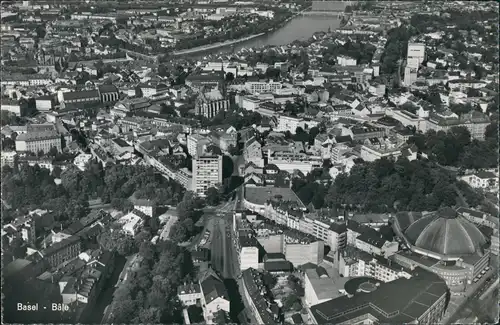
(84, 94)
(213, 288)
(105, 88)
(253, 283)
(278, 266)
(60, 245)
(34, 136)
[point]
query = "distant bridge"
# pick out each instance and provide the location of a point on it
(328, 5)
(337, 13)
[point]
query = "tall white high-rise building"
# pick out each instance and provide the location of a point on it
(415, 55)
(207, 172)
(410, 76)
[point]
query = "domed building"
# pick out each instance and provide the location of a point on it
(444, 242)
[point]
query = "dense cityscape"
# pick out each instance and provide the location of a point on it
(249, 162)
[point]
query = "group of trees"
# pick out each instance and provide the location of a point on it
(69, 200)
(25, 187)
(150, 296)
(9, 118)
(397, 42)
(461, 109)
(312, 189)
(359, 49)
(238, 119)
(303, 136)
(294, 108)
(270, 56)
(456, 148)
(385, 186)
(473, 23)
(121, 181)
(74, 57)
(188, 212)
(233, 28)
(396, 48)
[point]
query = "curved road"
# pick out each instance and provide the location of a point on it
(215, 45)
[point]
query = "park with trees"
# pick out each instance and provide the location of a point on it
(150, 296)
(386, 186)
(114, 184)
(456, 148)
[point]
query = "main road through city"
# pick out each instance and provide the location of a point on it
(224, 255)
(225, 258)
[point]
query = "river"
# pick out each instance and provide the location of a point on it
(299, 28)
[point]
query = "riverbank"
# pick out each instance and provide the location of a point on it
(295, 27)
(215, 45)
(240, 40)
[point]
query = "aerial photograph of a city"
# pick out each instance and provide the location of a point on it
(249, 162)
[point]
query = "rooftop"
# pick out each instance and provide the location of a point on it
(260, 195)
(322, 284)
(213, 288)
(107, 89)
(248, 241)
(400, 301)
(60, 245)
(278, 266)
(15, 266)
(83, 94)
(443, 232)
(37, 135)
(253, 282)
(367, 283)
(121, 143)
(188, 288)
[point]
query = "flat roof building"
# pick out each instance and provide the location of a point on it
(420, 299)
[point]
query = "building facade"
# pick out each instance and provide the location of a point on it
(415, 55)
(210, 104)
(38, 141)
(62, 251)
(302, 253)
(207, 172)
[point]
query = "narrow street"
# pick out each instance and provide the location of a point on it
(106, 296)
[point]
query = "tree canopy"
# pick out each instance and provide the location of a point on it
(455, 147)
(69, 200)
(395, 48)
(150, 296)
(384, 186)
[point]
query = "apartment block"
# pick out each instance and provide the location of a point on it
(62, 251)
(207, 172)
